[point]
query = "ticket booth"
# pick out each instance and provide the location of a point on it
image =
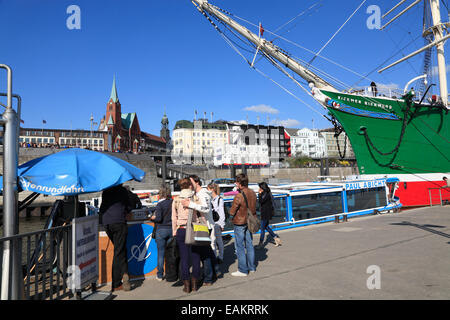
(141, 249)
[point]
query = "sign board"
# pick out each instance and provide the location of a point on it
(84, 251)
(141, 250)
(365, 184)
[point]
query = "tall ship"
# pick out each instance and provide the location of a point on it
(404, 135)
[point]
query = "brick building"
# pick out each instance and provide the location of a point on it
(124, 133)
(117, 132)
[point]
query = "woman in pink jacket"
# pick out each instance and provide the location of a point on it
(180, 216)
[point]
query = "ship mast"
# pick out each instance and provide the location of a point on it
(266, 46)
(438, 35)
(439, 40)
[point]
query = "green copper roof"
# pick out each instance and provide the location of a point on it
(183, 124)
(110, 120)
(114, 96)
(127, 120)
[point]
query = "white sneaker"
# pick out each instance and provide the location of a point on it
(239, 274)
(252, 271)
(159, 279)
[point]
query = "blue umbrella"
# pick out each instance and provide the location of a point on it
(75, 171)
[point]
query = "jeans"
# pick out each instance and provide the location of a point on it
(264, 227)
(206, 255)
(245, 252)
(218, 245)
(162, 236)
(117, 233)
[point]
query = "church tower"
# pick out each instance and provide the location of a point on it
(165, 132)
(113, 108)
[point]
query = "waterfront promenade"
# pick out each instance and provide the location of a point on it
(330, 261)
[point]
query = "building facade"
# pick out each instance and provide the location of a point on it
(205, 142)
(273, 137)
(340, 148)
(194, 142)
(62, 138)
(308, 143)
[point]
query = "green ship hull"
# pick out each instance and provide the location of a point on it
(393, 136)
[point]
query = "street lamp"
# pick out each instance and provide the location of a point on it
(92, 122)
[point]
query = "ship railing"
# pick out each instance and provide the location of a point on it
(45, 258)
(442, 194)
(384, 92)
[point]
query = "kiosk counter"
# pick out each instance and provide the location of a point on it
(141, 248)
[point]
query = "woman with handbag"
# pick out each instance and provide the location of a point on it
(163, 225)
(267, 210)
(180, 219)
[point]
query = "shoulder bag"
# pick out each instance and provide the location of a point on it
(197, 233)
(253, 222)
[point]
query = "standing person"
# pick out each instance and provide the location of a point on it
(115, 205)
(446, 186)
(163, 224)
(243, 238)
(180, 215)
(447, 183)
(373, 87)
(135, 202)
(267, 211)
(218, 207)
(204, 207)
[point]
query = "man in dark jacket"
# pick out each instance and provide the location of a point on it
(163, 224)
(135, 202)
(243, 239)
(115, 205)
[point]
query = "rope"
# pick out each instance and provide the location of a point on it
(229, 42)
(296, 17)
(292, 42)
(336, 32)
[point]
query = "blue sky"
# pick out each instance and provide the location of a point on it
(165, 54)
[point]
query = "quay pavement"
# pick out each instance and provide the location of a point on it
(390, 256)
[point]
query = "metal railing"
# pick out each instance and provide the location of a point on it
(45, 256)
(433, 197)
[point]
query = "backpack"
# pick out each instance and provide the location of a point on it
(215, 214)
